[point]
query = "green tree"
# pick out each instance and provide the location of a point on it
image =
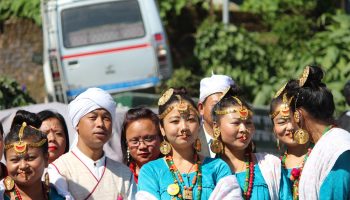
(29, 9)
(11, 94)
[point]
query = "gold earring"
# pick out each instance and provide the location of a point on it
(165, 147)
(128, 154)
(296, 116)
(47, 183)
(9, 183)
(278, 144)
(216, 145)
(197, 145)
(301, 136)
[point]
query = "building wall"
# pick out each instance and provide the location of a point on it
(21, 43)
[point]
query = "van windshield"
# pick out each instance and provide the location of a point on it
(101, 23)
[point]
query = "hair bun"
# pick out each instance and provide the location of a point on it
(25, 116)
(180, 91)
(315, 77)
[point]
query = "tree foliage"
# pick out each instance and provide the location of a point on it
(298, 33)
(29, 9)
(12, 95)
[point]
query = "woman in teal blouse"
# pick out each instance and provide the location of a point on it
(182, 173)
(326, 173)
(258, 174)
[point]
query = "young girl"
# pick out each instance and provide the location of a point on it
(182, 173)
(258, 174)
(296, 152)
(26, 154)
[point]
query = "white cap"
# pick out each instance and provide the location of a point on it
(214, 84)
(91, 99)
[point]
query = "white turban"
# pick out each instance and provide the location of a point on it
(91, 99)
(214, 84)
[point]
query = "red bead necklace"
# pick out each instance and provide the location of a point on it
(188, 190)
(249, 180)
(132, 167)
(295, 173)
(18, 196)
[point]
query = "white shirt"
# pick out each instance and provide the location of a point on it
(96, 168)
(209, 139)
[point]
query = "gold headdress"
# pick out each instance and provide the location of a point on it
(284, 108)
(182, 106)
(304, 76)
(280, 91)
(243, 111)
(21, 146)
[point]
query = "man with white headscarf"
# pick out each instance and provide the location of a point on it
(211, 90)
(86, 172)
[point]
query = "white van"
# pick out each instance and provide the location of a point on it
(116, 45)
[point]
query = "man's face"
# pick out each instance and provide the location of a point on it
(95, 128)
(206, 107)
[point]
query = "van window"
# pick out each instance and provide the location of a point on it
(101, 23)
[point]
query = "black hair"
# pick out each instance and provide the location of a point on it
(132, 115)
(313, 96)
(227, 101)
(1, 129)
(30, 132)
(177, 91)
(30, 118)
(46, 114)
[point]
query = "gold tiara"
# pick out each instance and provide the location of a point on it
(279, 92)
(182, 106)
(165, 97)
(284, 108)
(21, 146)
(243, 111)
(304, 76)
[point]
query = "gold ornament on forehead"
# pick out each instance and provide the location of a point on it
(165, 97)
(182, 106)
(304, 76)
(284, 108)
(243, 111)
(21, 146)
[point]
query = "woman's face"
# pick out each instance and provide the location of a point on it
(236, 133)
(143, 141)
(56, 137)
(283, 127)
(27, 168)
(181, 130)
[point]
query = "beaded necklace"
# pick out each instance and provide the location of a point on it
(295, 173)
(188, 191)
(132, 167)
(249, 180)
(18, 196)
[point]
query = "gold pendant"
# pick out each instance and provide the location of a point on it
(9, 183)
(173, 189)
(216, 146)
(187, 194)
(165, 147)
(301, 136)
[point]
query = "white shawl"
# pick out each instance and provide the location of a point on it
(270, 167)
(321, 160)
